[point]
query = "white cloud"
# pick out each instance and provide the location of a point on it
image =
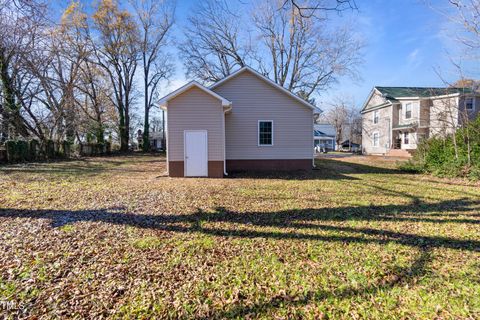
(414, 58)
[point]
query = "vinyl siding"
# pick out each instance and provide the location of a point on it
(375, 100)
(466, 114)
(443, 116)
(415, 117)
(254, 99)
(195, 110)
(369, 128)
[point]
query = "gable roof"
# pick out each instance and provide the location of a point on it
(394, 94)
(318, 133)
(269, 81)
(325, 128)
(164, 101)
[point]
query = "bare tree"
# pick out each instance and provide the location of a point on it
(345, 118)
(310, 8)
(450, 114)
(215, 45)
(296, 51)
(156, 18)
(117, 51)
(20, 23)
(303, 57)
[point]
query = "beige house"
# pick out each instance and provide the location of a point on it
(396, 119)
(243, 122)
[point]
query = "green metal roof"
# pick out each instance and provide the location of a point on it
(403, 92)
(392, 94)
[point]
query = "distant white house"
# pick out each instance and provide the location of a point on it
(324, 136)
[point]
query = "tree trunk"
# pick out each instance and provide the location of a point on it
(146, 125)
(100, 131)
(70, 117)
(8, 96)
(146, 132)
(122, 131)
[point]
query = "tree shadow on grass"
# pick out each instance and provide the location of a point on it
(326, 169)
(299, 225)
(291, 224)
(396, 276)
(80, 167)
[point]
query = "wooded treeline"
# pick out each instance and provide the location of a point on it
(84, 76)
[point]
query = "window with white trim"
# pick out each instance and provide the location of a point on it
(376, 117)
(469, 105)
(265, 133)
(408, 110)
(406, 138)
(376, 139)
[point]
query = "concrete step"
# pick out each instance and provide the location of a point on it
(404, 153)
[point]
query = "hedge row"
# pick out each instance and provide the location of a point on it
(95, 149)
(20, 150)
(33, 150)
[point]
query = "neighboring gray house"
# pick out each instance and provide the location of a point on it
(156, 140)
(243, 122)
(324, 136)
(396, 119)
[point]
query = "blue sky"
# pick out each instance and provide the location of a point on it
(407, 44)
(406, 41)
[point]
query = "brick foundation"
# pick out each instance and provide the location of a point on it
(269, 165)
(176, 169)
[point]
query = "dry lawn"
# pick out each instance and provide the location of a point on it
(116, 238)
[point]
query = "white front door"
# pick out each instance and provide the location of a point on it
(196, 153)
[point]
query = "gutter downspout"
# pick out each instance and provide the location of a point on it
(315, 117)
(225, 142)
(165, 134)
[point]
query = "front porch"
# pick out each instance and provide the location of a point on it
(405, 139)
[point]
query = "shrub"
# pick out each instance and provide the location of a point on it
(437, 155)
(34, 153)
(99, 149)
(411, 167)
(17, 150)
(66, 146)
(22, 150)
(50, 149)
(11, 147)
(108, 147)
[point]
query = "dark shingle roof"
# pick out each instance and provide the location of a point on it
(402, 92)
(318, 133)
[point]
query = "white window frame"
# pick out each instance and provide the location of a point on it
(408, 138)
(411, 110)
(373, 139)
(473, 103)
(258, 134)
(376, 117)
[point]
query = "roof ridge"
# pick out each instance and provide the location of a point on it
(268, 80)
(406, 87)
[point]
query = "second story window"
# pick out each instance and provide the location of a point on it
(376, 117)
(408, 111)
(469, 104)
